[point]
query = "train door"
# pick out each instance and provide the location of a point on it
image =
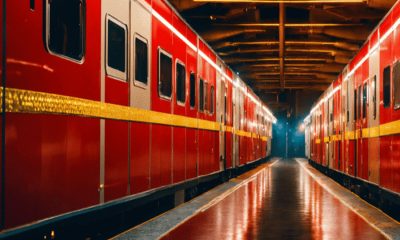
(140, 86)
(330, 132)
(236, 117)
(191, 109)
(242, 123)
(225, 123)
(221, 109)
(343, 124)
(338, 127)
(325, 135)
(363, 169)
(234, 120)
(358, 130)
(373, 119)
(114, 174)
(350, 123)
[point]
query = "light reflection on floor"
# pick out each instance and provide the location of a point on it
(282, 202)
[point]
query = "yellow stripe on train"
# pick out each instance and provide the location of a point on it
(26, 101)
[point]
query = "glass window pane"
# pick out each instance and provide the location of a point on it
(116, 44)
(355, 103)
(66, 28)
(374, 96)
(386, 86)
(359, 102)
(206, 100)
(180, 83)
(201, 95)
(165, 75)
(212, 99)
(141, 61)
(365, 100)
(192, 89)
(396, 82)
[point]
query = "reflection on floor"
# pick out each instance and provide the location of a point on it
(282, 202)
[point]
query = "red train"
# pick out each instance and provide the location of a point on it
(105, 101)
(353, 130)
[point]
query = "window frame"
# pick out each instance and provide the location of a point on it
(347, 101)
(396, 105)
(190, 90)
(178, 61)
(212, 99)
(206, 98)
(47, 34)
(359, 101)
(355, 103)
(389, 68)
(162, 96)
(201, 96)
(374, 98)
(138, 83)
(365, 101)
(110, 71)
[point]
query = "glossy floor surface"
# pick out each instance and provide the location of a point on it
(282, 202)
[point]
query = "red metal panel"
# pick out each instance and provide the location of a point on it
(50, 158)
(364, 157)
(161, 138)
(385, 113)
(116, 143)
(140, 157)
(358, 80)
(208, 140)
(228, 121)
(395, 116)
(374, 39)
(336, 123)
(191, 134)
(321, 130)
(179, 134)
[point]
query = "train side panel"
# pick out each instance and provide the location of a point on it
(161, 135)
(49, 155)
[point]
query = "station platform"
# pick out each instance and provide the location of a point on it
(281, 199)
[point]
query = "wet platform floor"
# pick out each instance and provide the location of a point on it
(282, 202)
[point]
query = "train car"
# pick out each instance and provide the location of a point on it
(106, 102)
(363, 120)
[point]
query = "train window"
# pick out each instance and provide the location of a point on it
(206, 99)
(212, 99)
(355, 104)
(262, 124)
(141, 60)
(359, 102)
(396, 83)
(333, 107)
(374, 89)
(386, 87)
(201, 95)
(116, 48)
(365, 100)
(164, 74)
(65, 28)
(192, 89)
(347, 101)
(180, 82)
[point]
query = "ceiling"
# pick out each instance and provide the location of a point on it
(283, 48)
